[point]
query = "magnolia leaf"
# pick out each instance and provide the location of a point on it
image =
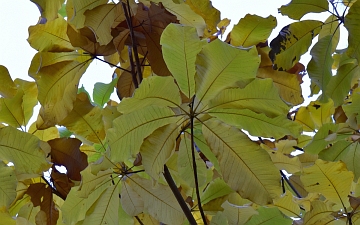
(298, 8)
(57, 90)
(353, 26)
(331, 27)
(319, 67)
(251, 30)
(109, 113)
(8, 183)
(50, 37)
(217, 188)
(65, 151)
(292, 42)
(204, 149)
(213, 74)
(288, 85)
(129, 130)
(210, 14)
(180, 46)
(237, 214)
(159, 91)
(24, 150)
(44, 135)
(268, 216)
(287, 205)
(352, 109)
(85, 120)
(186, 166)
(159, 202)
(251, 164)
(304, 118)
(7, 86)
(90, 181)
(48, 9)
(73, 208)
(80, 7)
(125, 85)
(258, 124)
(219, 219)
(283, 162)
(331, 179)
(158, 148)
(319, 211)
(102, 18)
(131, 202)
(27, 214)
(265, 99)
(61, 182)
(102, 92)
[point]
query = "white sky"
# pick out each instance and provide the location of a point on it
(17, 16)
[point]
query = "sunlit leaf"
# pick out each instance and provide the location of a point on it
(44, 135)
(217, 188)
(102, 92)
(251, 30)
(80, 8)
(8, 183)
(292, 42)
(269, 216)
(298, 8)
(320, 211)
(287, 205)
(238, 214)
(7, 86)
(250, 163)
(353, 26)
(48, 9)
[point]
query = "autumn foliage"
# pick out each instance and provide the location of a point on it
(204, 130)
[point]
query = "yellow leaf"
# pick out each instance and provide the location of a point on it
(7, 86)
(131, 202)
(23, 150)
(48, 9)
(90, 181)
(237, 214)
(243, 163)
(319, 211)
(251, 30)
(287, 205)
(80, 7)
(331, 179)
(284, 162)
(44, 135)
(50, 37)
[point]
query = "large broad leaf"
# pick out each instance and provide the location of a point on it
(260, 96)
(50, 36)
(159, 202)
(48, 9)
(287, 205)
(331, 27)
(251, 30)
(8, 183)
(216, 188)
(24, 150)
(180, 45)
(258, 124)
(85, 120)
(331, 179)
(90, 181)
(245, 167)
(269, 216)
(79, 9)
(352, 24)
(129, 131)
(298, 8)
(102, 18)
(102, 92)
(156, 90)
(132, 203)
(158, 148)
(292, 42)
(237, 215)
(319, 67)
(220, 65)
(319, 212)
(7, 86)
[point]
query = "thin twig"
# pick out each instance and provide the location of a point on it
(111, 64)
(138, 219)
(290, 184)
(178, 196)
(133, 74)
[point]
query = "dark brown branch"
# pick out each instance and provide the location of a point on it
(290, 184)
(178, 196)
(133, 74)
(111, 64)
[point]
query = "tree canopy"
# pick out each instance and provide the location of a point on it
(204, 129)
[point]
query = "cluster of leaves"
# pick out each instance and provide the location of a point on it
(175, 150)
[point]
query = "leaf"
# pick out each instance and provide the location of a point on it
(331, 27)
(80, 7)
(61, 182)
(129, 131)
(237, 214)
(213, 74)
(65, 151)
(319, 67)
(89, 181)
(258, 124)
(48, 9)
(287, 205)
(102, 92)
(158, 202)
(266, 100)
(50, 37)
(7, 86)
(284, 162)
(331, 179)
(125, 86)
(217, 188)
(320, 211)
(180, 45)
(102, 18)
(269, 216)
(85, 120)
(132, 202)
(298, 8)
(292, 42)
(44, 135)
(8, 183)
(24, 150)
(352, 25)
(158, 148)
(319, 141)
(251, 164)
(251, 30)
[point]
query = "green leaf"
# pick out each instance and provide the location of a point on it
(64, 132)
(8, 183)
(180, 45)
(331, 27)
(298, 8)
(269, 216)
(292, 42)
(352, 24)
(217, 188)
(220, 65)
(102, 92)
(251, 30)
(238, 215)
(243, 163)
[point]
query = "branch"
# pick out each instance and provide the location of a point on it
(133, 74)
(95, 57)
(178, 196)
(290, 184)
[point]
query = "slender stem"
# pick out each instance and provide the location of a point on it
(138, 219)
(178, 196)
(133, 74)
(111, 64)
(290, 184)
(194, 163)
